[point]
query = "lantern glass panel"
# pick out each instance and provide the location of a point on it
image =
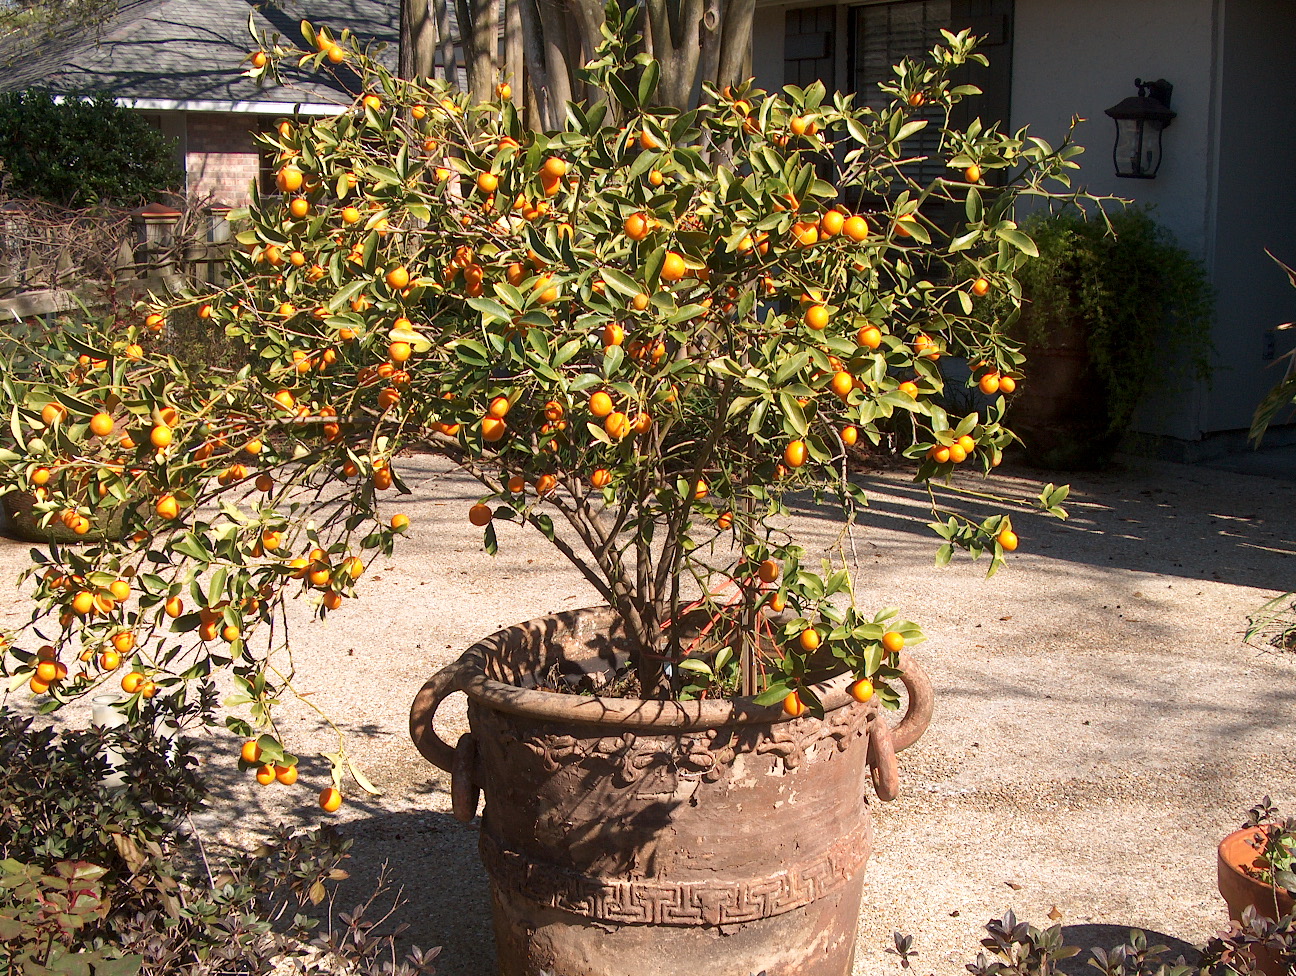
(1138, 147)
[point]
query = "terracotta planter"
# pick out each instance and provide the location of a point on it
(1060, 413)
(661, 837)
(1238, 852)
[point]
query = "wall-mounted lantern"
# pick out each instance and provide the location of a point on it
(1140, 120)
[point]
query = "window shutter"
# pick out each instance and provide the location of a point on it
(993, 20)
(808, 53)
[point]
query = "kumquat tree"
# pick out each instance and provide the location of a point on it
(639, 333)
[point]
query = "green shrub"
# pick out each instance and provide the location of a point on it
(82, 151)
(1140, 297)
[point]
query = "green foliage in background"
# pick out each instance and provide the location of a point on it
(82, 151)
(1144, 302)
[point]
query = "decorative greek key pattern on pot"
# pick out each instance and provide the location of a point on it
(663, 902)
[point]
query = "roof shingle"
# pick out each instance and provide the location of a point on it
(188, 53)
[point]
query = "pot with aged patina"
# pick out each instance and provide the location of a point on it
(624, 836)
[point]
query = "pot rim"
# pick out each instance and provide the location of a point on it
(468, 674)
(632, 713)
(1235, 853)
(1230, 850)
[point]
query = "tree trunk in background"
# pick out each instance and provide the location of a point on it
(447, 41)
(418, 40)
(694, 41)
(514, 55)
(676, 31)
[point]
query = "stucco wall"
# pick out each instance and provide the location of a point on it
(1077, 59)
(1081, 58)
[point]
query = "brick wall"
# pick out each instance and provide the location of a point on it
(221, 159)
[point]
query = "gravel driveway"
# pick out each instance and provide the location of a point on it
(1099, 723)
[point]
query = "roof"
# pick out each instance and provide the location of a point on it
(189, 54)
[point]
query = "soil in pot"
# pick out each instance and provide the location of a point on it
(635, 838)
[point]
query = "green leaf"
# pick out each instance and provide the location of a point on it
(620, 282)
(794, 419)
(648, 82)
(491, 309)
(910, 128)
(775, 693)
(545, 524)
(1018, 240)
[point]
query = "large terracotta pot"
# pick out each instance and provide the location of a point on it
(1238, 853)
(1060, 413)
(631, 838)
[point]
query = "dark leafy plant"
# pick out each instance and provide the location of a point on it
(1283, 395)
(41, 916)
(55, 807)
(1142, 299)
(82, 151)
(105, 879)
(1277, 863)
(1234, 951)
(1013, 948)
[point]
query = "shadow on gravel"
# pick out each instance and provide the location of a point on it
(1169, 519)
(1108, 937)
(432, 861)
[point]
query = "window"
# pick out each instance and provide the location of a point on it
(808, 54)
(885, 31)
(883, 34)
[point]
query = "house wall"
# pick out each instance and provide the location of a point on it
(1077, 59)
(1256, 205)
(1081, 58)
(1222, 190)
(221, 159)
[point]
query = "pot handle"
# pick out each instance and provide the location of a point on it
(451, 678)
(882, 761)
(919, 713)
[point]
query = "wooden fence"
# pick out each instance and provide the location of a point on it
(54, 261)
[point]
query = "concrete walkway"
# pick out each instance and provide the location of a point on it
(1099, 722)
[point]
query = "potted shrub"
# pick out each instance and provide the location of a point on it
(1112, 309)
(1257, 877)
(639, 334)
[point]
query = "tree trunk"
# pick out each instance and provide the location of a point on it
(448, 62)
(418, 40)
(536, 77)
(693, 40)
(675, 26)
(514, 56)
(480, 36)
(558, 66)
(736, 42)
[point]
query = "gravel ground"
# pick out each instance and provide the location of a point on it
(1099, 723)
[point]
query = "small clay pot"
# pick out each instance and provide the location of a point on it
(1241, 890)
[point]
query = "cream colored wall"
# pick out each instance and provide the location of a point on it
(1077, 59)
